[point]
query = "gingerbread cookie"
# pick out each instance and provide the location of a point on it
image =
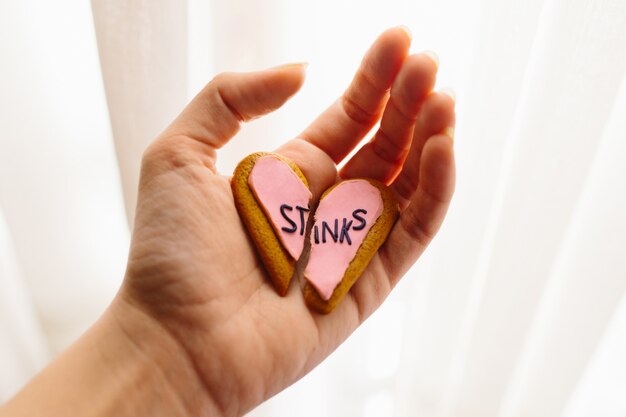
(351, 222)
(272, 197)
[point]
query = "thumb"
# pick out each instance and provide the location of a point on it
(215, 114)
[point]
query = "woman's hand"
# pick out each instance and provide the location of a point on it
(196, 300)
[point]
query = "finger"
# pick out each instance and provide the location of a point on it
(345, 122)
(383, 156)
(216, 113)
(406, 242)
(421, 220)
(436, 116)
(319, 169)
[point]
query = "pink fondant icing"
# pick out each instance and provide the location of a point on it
(274, 184)
(328, 261)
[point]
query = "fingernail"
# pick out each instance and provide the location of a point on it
(303, 65)
(449, 132)
(406, 30)
(432, 55)
(449, 92)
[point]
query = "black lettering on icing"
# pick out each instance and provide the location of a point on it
(337, 234)
(334, 235)
(356, 216)
(293, 227)
(345, 230)
(302, 210)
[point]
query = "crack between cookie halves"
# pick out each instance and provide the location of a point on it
(303, 260)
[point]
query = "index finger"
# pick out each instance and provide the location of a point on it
(342, 126)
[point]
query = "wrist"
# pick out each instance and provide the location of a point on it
(126, 364)
(174, 387)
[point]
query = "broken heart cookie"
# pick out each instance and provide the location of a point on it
(272, 197)
(351, 222)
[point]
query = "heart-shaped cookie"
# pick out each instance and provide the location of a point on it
(272, 197)
(352, 221)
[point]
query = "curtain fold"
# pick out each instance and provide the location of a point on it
(601, 387)
(23, 346)
(59, 187)
(564, 106)
(584, 287)
(143, 57)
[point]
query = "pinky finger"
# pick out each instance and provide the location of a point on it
(428, 206)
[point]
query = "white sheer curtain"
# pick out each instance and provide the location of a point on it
(519, 307)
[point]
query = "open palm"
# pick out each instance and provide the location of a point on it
(192, 266)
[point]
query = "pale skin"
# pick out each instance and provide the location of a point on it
(197, 329)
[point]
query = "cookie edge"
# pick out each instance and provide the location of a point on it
(278, 263)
